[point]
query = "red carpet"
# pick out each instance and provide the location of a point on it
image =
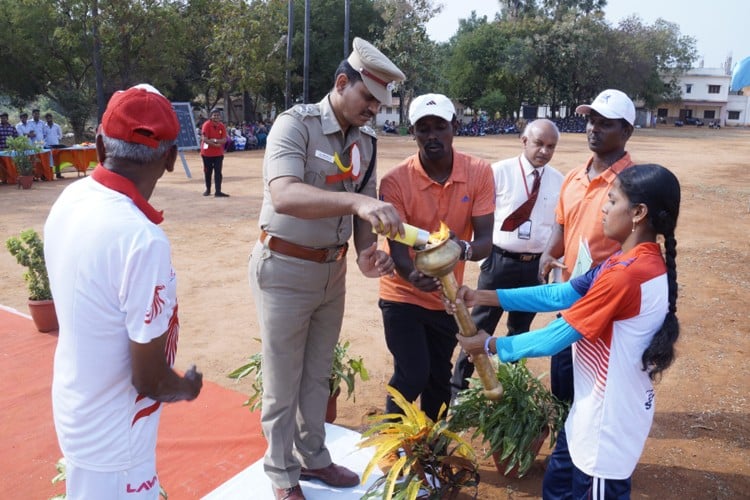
(201, 444)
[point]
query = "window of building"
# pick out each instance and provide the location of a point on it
(389, 110)
(733, 115)
(714, 89)
(662, 112)
(688, 88)
(709, 114)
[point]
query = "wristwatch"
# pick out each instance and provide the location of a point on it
(467, 250)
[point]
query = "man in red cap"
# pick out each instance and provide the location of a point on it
(116, 305)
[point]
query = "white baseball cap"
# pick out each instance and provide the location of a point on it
(431, 105)
(611, 103)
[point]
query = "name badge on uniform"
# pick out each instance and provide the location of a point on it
(324, 156)
(524, 231)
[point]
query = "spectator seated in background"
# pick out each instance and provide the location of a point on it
(252, 141)
(390, 127)
(261, 132)
(238, 139)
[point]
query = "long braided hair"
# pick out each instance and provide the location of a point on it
(659, 189)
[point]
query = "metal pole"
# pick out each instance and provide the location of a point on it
(346, 28)
(97, 59)
(288, 72)
(306, 71)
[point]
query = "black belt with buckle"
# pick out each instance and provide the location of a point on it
(523, 257)
(320, 255)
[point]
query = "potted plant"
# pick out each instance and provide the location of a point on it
(515, 426)
(22, 152)
(345, 369)
(434, 462)
(28, 250)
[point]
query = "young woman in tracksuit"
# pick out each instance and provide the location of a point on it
(620, 319)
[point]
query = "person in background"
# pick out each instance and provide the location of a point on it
(52, 134)
(577, 235)
(116, 305)
(526, 192)
(620, 319)
(319, 189)
(24, 127)
(438, 184)
(6, 130)
(261, 133)
(213, 138)
(37, 133)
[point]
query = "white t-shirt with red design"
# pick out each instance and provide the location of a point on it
(614, 398)
(112, 279)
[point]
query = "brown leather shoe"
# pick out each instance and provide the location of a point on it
(293, 493)
(333, 475)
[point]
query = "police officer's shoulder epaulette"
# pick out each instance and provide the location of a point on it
(366, 129)
(304, 110)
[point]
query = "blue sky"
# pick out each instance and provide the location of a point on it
(720, 27)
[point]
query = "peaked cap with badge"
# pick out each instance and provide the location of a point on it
(378, 73)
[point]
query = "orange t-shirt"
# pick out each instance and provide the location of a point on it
(469, 192)
(579, 211)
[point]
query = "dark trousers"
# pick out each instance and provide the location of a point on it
(497, 271)
(564, 481)
(56, 146)
(422, 343)
(561, 375)
(213, 165)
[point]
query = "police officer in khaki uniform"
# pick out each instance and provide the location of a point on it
(319, 188)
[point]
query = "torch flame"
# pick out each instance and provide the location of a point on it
(440, 235)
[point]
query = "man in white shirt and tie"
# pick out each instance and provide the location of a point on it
(526, 193)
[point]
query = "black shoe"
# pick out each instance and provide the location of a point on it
(221, 195)
(206, 193)
(59, 176)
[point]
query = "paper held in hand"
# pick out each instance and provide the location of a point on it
(584, 260)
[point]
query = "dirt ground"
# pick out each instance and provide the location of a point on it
(699, 445)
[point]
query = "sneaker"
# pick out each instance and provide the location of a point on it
(60, 176)
(206, 193)
(221, 195)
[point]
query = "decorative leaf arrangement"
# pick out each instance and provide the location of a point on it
(21, 150)
(28, 250)
(345, 369)
(435, 462)
(509, 426)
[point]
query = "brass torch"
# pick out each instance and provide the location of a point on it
(437, 259)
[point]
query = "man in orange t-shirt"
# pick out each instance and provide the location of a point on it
(213, 138)
(579, 209)
(436, 184)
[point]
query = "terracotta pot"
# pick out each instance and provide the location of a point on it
(25, 181)
(332, 406)
(536, 445)
(44, 315)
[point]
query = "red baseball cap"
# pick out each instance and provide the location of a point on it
(141, 115)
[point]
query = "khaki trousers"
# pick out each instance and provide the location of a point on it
(300, 307)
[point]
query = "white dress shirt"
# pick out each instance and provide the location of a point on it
(52, 134)
(513, 183)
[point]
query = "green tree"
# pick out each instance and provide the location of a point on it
(406, 43)
(327, 40)
(248, 51)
